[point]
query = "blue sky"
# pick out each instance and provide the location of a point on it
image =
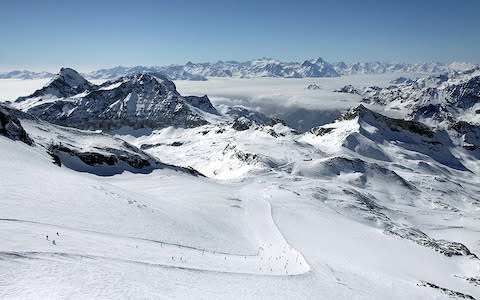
(92, 34)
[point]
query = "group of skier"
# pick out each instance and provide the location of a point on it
(53, 241)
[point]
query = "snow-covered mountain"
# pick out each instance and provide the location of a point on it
(368, 206)
(317, 68)
(264, 67)
(387, 67)
(66, 83)
(448, 101)
(267, 67)
(143, 100)
(24, 74)
(372, 131)
(173, 72)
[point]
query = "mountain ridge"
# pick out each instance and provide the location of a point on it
(142, 100)
(263, 67)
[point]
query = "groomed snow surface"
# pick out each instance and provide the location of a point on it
(172, 235)
(279, 225)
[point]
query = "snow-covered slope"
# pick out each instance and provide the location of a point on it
(372, 149)
(449, 101)
(142, 100)
(368, 207)
(177, 235)
(368, 133)
(83, 151)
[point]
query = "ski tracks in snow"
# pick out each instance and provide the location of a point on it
(274, 257)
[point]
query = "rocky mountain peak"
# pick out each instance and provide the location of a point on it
(319, 61)
(147, 82)
(71, 77)
(66, 83)
(142, 100)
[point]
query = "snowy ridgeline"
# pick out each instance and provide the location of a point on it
(264, 67)
(237, 205)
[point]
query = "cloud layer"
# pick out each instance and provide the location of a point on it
(286, 98)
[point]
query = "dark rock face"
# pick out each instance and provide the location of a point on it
(11, 127)
(245, 157)
(470, 134)
(348, 89)
(464, 95)
(473, 280)
(150, 146)
(108, 161)
(275, 121)
(449, 292)
(95, 159)
(313, 86)
(249, 158)
(319, 131)
(241, 124)
(447, 248)
(202, 103)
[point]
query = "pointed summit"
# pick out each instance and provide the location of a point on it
(65, 83)
(71, 77)
(317, 68)
(319, 61)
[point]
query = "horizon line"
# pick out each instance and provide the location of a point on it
(87, 69)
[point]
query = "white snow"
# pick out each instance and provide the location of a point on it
(11, 89)
(139, 230)
(291, 216)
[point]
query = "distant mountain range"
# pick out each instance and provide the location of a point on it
(264, 67)
(24, 74)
